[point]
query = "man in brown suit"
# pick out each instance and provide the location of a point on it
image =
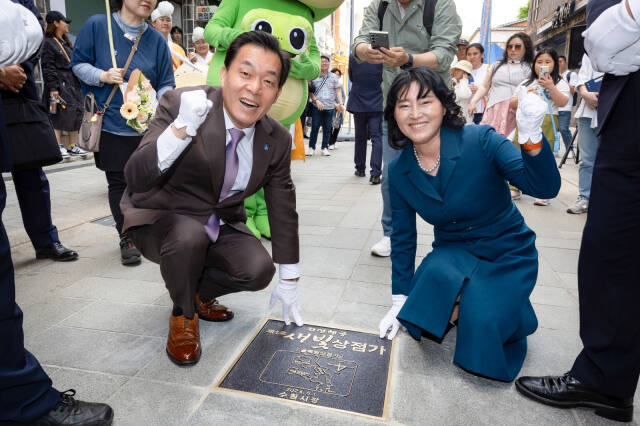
(205, 151)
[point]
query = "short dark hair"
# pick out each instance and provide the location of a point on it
(555, 73)
(337, 70)
(562, 57)
(325, 57)
(429, 81)
(477, 46)
(267, 42)
(176, 29)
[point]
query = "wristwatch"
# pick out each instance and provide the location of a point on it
(409, 63)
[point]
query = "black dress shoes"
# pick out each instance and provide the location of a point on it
(359, 173)
(57, 252)
(567, 392)
(375, 180)
(70, 411)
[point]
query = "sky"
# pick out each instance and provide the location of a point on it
(470, 11)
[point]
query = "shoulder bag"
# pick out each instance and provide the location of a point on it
(91, 127)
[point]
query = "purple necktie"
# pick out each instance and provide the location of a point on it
(212, 227)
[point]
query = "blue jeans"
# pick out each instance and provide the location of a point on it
(388, 154)
(319, 118)
(564, 119)
(588, 142)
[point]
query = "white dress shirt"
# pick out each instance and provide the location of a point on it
(613, 39)
(585, 74)
(169, 148)
(572, 79)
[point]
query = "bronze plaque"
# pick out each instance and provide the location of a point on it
(315, 365)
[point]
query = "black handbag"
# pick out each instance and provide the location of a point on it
(31, 136)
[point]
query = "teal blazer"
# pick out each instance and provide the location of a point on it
(482, 250)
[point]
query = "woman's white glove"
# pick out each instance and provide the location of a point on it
(390, 321)
(287, 293)
(194, 107)
(529, 116)
(613, 32)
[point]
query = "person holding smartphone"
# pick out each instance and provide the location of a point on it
(545, 82)
(412, 44)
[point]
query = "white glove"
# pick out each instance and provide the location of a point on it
(287, 293)
(529, 116)
(194, 107)
(389, 321)
(612, 32)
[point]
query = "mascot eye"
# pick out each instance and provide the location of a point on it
(298, 39)
(262, 25)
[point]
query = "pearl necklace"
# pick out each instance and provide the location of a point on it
(432, 168)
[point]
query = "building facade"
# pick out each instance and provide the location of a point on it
(559, 24)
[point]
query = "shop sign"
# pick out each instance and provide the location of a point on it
(563, 14)
(204, 13)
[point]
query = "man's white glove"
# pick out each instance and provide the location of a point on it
(390, 321)
(613, 32)
(529, 116)
(287, 293)
(194, 107)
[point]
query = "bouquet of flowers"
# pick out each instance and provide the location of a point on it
(140, 102)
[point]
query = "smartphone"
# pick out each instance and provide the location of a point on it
(379, 39)
(544, 71)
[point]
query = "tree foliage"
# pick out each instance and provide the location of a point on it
(524, 12)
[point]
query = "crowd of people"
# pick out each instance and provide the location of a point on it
(444, 128)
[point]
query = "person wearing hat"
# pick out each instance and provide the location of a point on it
(60, 84)
(202, 56)
(460, 79)
(161, 21)
(461, 53)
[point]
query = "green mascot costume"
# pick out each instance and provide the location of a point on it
(291, 22)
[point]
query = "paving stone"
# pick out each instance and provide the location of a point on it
(93, 350)
(359, 316)
(346, 238)
(557, 318)
(143, 402)
(363, 292)
(89, 386)
(561, 260)
(371, 274)
(38, 317)
(554, 296)
(116, 290)
(362, 215)
(327, 262)
(320, 218)
(142, 320)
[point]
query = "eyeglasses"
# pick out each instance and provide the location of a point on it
(515, 47)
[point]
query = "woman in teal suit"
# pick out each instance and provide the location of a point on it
(484, 263)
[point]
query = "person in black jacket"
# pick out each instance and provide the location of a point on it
(19, 93)
(605, 374)
(60, 84)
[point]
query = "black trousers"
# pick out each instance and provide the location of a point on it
(117, 185)
(609, 263)
(191, 264)
(34, 197)
(368, 125)
(25, 389)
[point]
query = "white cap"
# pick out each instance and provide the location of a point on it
(198, 34)
(164, 9)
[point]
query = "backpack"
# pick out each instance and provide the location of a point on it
(428, 13)
(574, 100)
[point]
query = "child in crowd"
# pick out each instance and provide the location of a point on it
(546, 82)
(460, 80)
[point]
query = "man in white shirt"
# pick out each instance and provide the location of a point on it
(605, 374)
(564, 113)
(206, 150)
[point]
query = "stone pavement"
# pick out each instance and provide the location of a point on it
(101, 328)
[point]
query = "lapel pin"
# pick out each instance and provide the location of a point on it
(266, 147)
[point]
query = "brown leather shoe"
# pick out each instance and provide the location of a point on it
(183, 343)
(212, 310)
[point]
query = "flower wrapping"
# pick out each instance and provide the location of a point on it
(140, 102)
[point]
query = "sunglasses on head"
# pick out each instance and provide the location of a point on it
(514, 47)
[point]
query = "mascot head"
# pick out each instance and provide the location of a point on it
(322, 8)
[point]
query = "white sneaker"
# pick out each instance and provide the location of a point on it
(325, 152)
(310, 152)
(76, 150)
(63, 151)
(382, 248)
(580, 206)
(332, 147)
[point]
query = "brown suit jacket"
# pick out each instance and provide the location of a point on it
(192, 185)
